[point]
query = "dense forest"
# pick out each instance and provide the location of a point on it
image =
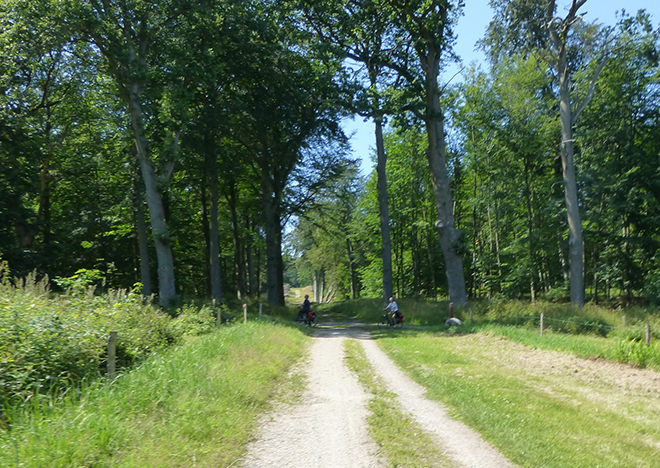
(197, 148)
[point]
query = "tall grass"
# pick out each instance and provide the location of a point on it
(191, 406)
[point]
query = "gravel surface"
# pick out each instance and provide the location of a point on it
(329, 428)
(457, 441)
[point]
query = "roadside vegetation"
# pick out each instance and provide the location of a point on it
(537, 411)
(589, 332)
(401, 441)
(51, 343)
(194, 405)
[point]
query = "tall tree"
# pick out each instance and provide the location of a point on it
(361, 34)
(429, 26)
(126, 34)
(533, 28)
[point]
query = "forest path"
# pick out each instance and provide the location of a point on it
(329, 428)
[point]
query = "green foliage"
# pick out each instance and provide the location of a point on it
(638, 353)
(197, 404)
(81, 280)
(50, 343)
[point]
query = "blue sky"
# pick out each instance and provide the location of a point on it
(471, 27)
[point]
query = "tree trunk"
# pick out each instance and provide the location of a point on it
(207, 235)
(570, 189)
(449, 235)
(383, 210)
(143, 243)
(161, 235)
(316, 286)
(214, 232)
(274, 274)
(239, 273)
(248, 258)
(351, 272)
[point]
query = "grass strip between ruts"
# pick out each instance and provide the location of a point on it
(192, 406)
(401, 440)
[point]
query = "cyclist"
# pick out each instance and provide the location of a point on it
(393, 311)
(305, 310)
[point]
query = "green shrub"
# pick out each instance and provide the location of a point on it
(194, 321)
(49, 343)
(637, 352)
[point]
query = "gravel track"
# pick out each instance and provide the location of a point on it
(458, 442)
(329, 429)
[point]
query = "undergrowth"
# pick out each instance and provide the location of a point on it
(193, 405)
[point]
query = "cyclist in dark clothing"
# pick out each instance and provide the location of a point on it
(305, 309)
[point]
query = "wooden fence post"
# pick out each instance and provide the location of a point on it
(244, 313)
(260, 307)
(112, 354)
(623, 321)
(541, 323)
(647, 337)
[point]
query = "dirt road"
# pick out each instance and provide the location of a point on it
(329, 428)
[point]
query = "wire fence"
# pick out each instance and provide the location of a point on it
(544, 323)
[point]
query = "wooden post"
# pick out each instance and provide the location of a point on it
(112, 354)
(244, 313)
(260, 307)
(647, 337)
(541, 323)
(623, 321)
(451, 310)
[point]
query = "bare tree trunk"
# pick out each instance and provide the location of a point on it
(207, 236)
(316, 286)
(351, 272)
(575, 245)
(232, 198)
(143, 243)
(214, 232)
(248, 257)
(383, 210)
(161, 235)
(449, 235)
(274, 274)
(434, 286)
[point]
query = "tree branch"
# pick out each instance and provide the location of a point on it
(592, 87)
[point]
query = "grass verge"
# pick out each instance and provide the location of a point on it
(539, 414)
(401, 440)
(191, 406)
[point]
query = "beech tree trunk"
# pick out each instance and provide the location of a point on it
(351, 272)
(143, 243)
(449, 235)
(575, 247)
(161, 236)
(383, 210)
(271, 202)
(214, 232)
(232, 199)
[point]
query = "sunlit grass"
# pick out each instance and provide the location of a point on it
(537, 419)
(191, 406)
(401, 441)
